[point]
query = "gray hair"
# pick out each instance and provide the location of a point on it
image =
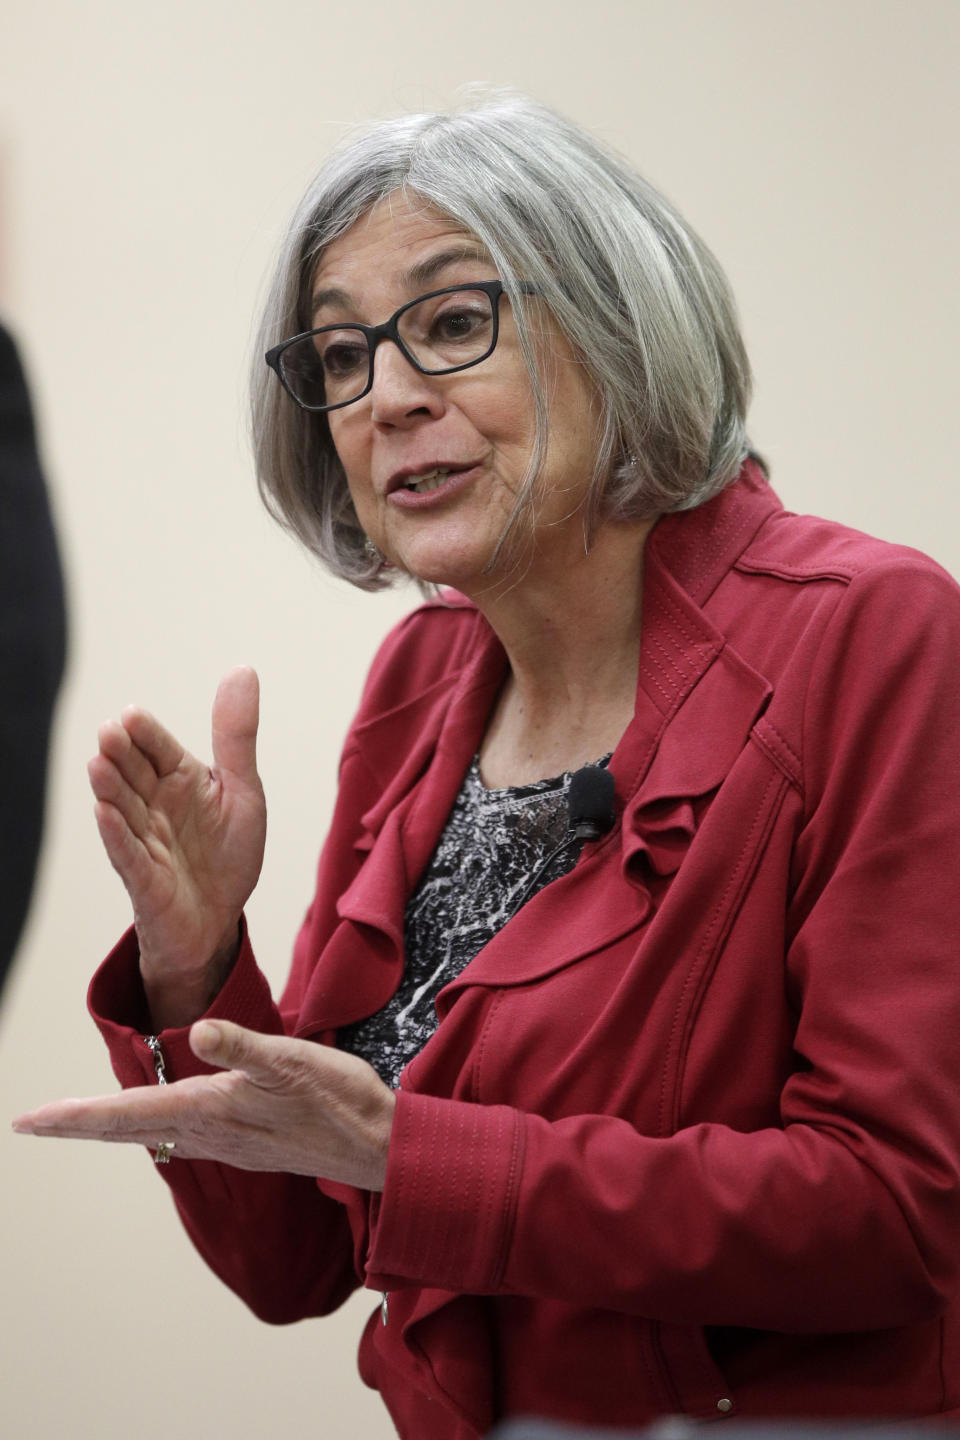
(638, 295)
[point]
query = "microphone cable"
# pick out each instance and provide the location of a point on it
(592, 810)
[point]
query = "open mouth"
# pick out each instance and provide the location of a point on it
(424, 482)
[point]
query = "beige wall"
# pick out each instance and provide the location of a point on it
(148, 158)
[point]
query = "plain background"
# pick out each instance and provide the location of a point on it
(149, 157)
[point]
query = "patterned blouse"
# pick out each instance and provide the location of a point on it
(487, 862)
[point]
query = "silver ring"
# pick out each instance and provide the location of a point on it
(161, 1155)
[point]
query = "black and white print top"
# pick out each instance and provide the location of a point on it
(485, 860)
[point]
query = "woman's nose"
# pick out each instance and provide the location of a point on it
(400, 392)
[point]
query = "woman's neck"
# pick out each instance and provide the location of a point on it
(571, 631)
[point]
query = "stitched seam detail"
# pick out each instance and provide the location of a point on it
(805, 715)
(800, 573)
(678, 617)
(401, 1181)
(693, 973)
(684, 668)
(715, 543)
(481, 1048)
(786, 744)
(443, 1219)
(787, 761)
(648, 673)
(517, 1151)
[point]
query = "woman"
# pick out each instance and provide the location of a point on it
(678, 1130)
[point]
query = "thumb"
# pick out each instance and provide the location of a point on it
(232, 1047)
(236, 715)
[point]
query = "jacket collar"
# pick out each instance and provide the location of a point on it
(698, 547)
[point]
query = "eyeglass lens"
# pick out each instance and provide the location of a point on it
(440, 333)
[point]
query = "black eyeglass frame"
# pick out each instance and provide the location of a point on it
(389, 330)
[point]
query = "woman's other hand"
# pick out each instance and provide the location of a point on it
(279, 1105)
(186, 840)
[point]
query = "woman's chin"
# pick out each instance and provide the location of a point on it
(466, 572)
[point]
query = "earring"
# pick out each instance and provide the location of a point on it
(375, 555)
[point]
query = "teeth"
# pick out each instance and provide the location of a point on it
(432, 480)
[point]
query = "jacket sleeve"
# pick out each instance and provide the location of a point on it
(277, 1240)
(847, 1215)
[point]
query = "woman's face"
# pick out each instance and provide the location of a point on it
(476, 427)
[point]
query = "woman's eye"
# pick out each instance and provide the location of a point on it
(463, 323)
(343, 357)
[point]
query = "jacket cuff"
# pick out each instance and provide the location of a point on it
(118, 1005)
(445, 1217)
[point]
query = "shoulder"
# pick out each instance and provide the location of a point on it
(868, 632)
(806, 548)
(843, 580)
(845, 628)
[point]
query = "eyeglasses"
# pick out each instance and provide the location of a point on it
(439, 333)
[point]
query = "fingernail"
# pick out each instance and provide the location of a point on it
(24, 1126)
(206, 1034)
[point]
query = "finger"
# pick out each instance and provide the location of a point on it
(109, 786)
(272, 1062)
(126, 852)
(131, 1116)
(162, 749)
(236, 715)
(117, 746)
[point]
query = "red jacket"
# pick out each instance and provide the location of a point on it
(687, 1137)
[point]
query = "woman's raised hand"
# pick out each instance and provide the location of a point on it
(186, 840)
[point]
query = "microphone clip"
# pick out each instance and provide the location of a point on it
(587, 830)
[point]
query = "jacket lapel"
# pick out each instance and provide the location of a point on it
(435, 737)
(696, 702)
(416, 801)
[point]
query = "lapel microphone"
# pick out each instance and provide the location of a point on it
(590, 802)
(591, 810)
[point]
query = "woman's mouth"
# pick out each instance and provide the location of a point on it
(429, 487)
(423, 484)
